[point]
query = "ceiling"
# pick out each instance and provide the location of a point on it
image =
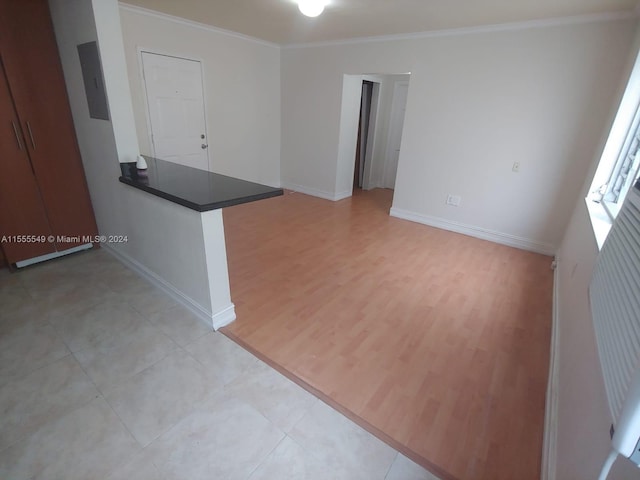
(279, 21)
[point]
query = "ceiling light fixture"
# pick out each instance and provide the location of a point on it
(311, 8)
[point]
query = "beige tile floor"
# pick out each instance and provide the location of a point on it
(102, 376)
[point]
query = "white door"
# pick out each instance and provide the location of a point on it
(396, 123)
(175, 100)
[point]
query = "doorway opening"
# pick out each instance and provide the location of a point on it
(371, 124)
(363, 133)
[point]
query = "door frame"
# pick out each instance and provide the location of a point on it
(140, 50)
(392, 114)
(373, 140)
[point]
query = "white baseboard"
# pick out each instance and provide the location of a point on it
(224, 317)
(51, 256)
(216, 320)
(548, 467)
(473, 231)
(375, 184)
(342, 195)
(314, 192)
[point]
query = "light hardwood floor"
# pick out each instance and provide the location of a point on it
(436, 342)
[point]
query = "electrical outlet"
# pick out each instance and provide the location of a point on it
(516, 167)
(453, 200)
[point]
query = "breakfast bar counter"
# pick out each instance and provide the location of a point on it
(199, 190)
(176, 212)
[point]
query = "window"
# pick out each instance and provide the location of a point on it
(624, 171)
(620, 161)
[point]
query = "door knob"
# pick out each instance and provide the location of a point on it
(204, 146)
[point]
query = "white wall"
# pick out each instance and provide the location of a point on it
(477, 103)
(348, 134)
(74, 24)
(116, 84)
(312, 88)
(581, 426)
(165, 240)
(242, 91)
(348, 122)
(347, 137)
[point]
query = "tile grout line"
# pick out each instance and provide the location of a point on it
(63, 414)
(284, 435)
(391, 466)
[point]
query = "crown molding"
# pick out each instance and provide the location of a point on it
(190, 23)
(501, 27)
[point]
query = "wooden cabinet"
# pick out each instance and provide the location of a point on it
(43, 190)
(22, 211)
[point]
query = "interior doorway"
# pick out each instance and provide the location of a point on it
(363, 133)
(176, 107)
(370, 132)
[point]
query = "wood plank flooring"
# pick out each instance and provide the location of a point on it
(436, 342)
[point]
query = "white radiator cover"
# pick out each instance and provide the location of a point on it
(615, 305)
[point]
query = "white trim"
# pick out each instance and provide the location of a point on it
(617, 135)
(224, 317)
(314, 192)
(549, 445)
(500, 27)
(342, 195)
(601, 222)
(373, 132)
(51, 256)
(190, 23)
(215, 320)
(145, 100)
(378, 184)
(392, 128)
(478, 232)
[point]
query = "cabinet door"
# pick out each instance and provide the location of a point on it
(22, 215)
(35, 77)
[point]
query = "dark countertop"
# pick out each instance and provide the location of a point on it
(196, 189)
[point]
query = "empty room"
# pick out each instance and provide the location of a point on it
(319, 239)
